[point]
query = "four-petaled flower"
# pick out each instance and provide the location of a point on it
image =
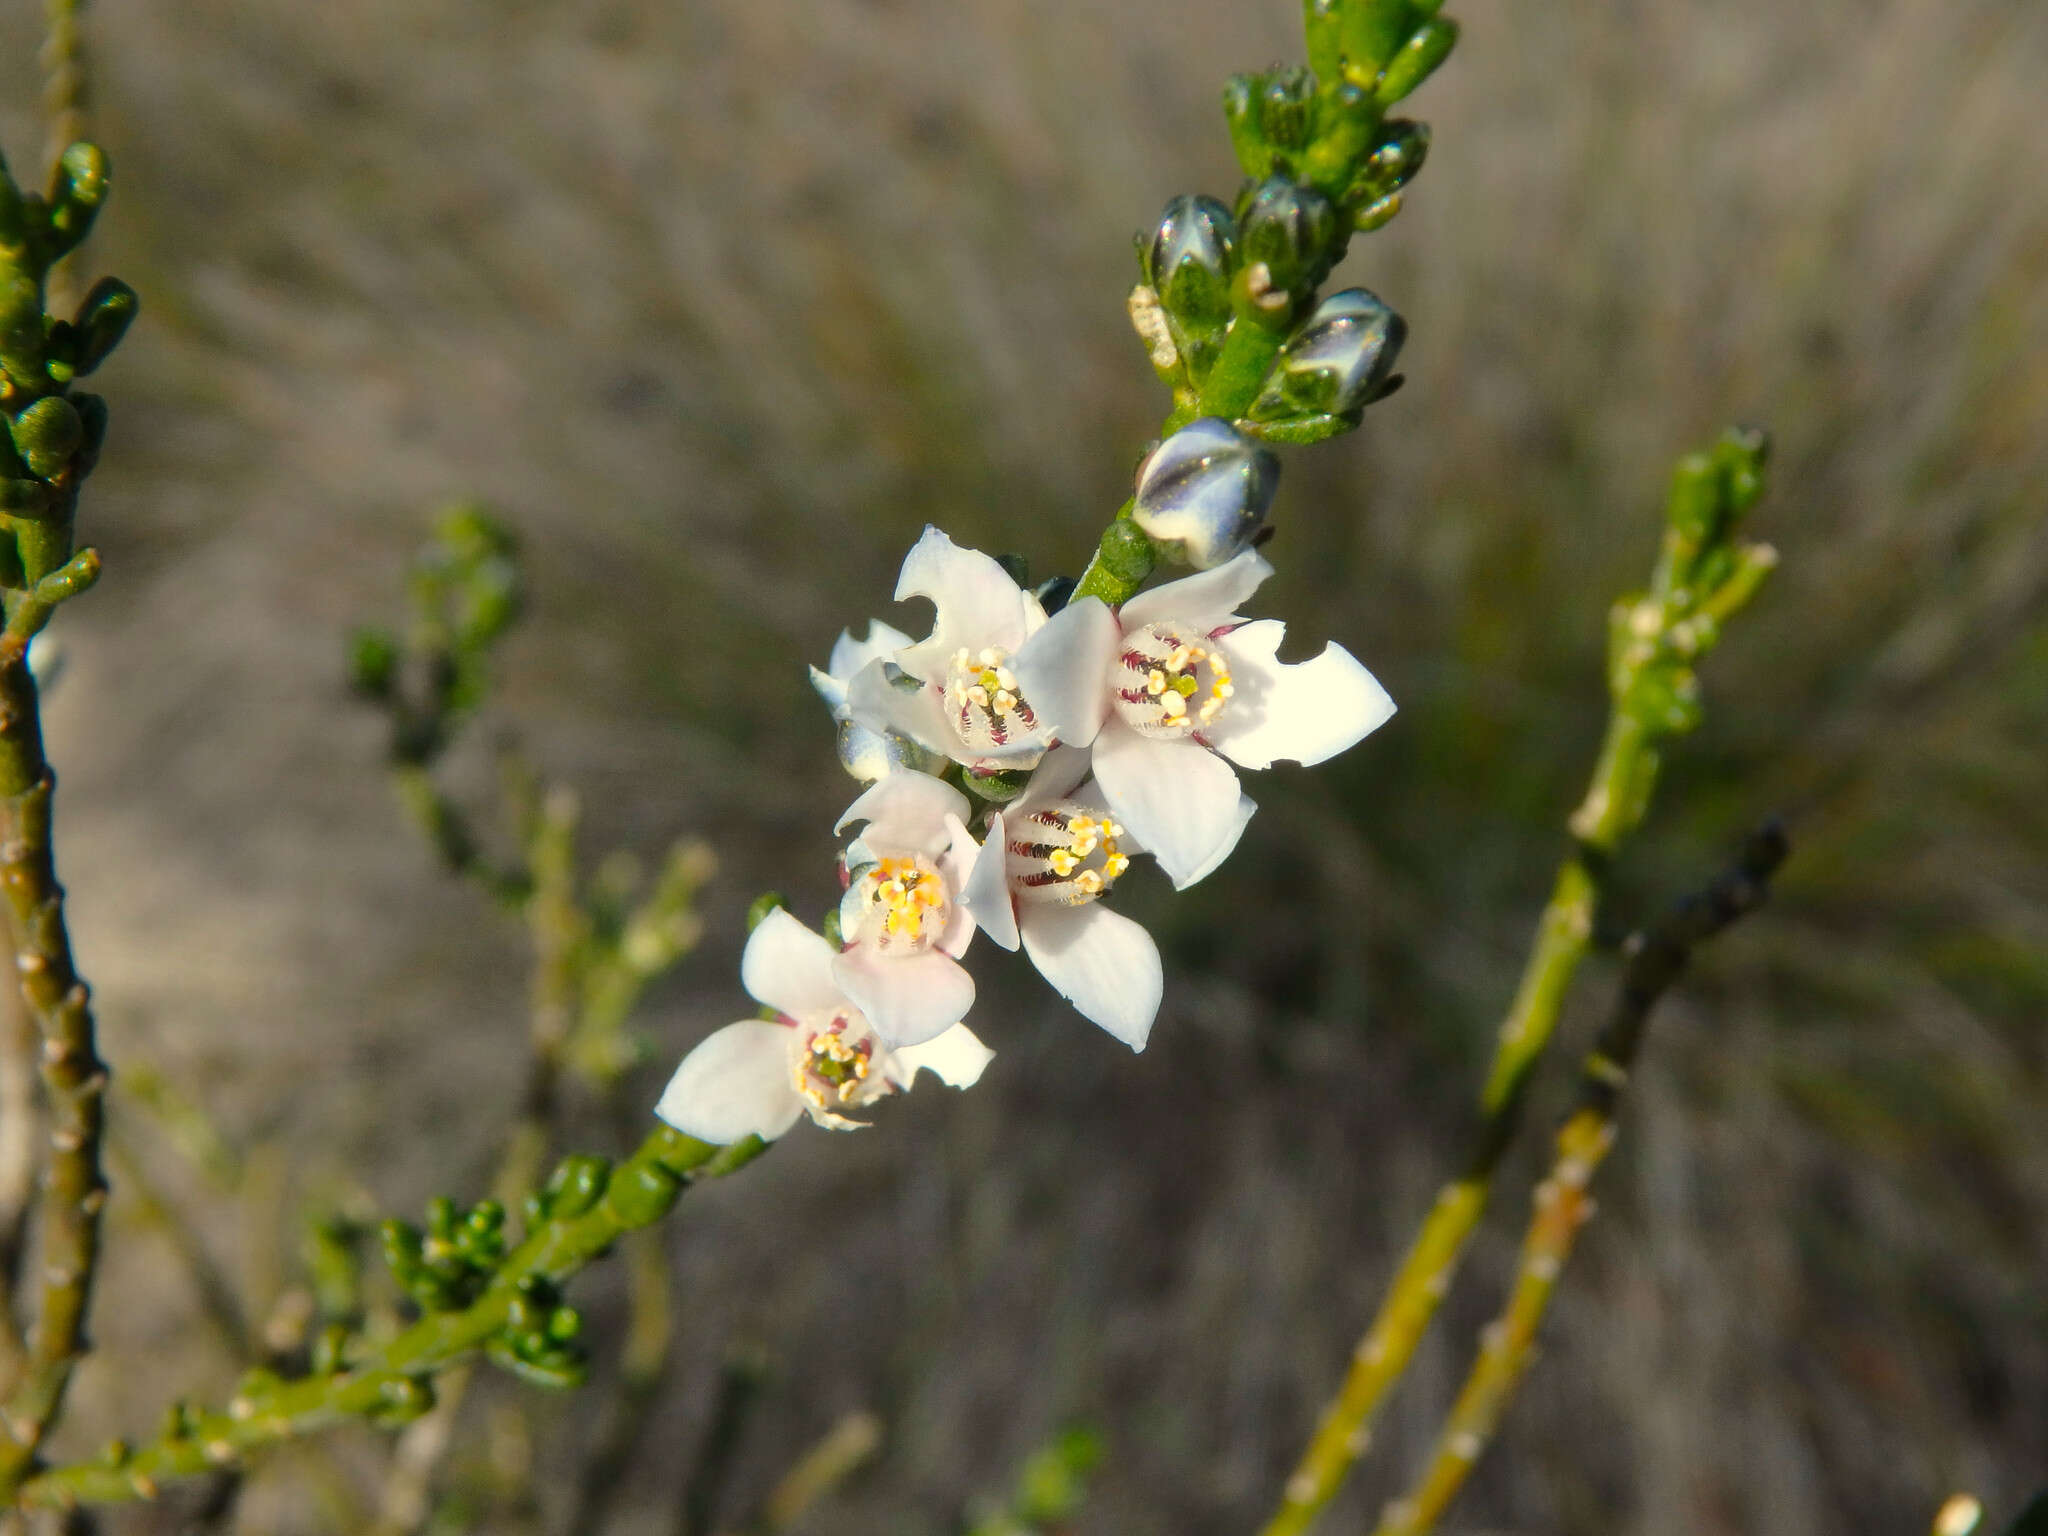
(821, 1057)
(954, 692)
(902, 916)
(1174, 682)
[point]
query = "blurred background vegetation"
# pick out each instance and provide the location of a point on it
(717, 304)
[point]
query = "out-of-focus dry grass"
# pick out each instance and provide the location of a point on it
(719, 303)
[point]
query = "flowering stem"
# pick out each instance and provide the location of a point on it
(1656, 958)
(389, 1379)
(1655, 640)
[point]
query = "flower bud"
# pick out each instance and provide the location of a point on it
(1189, 262)
(1241, 114)
(47, 434)
(1337, 362)
(868, 755)
(1288, 229)
(1286, 108)
(1395, 158)
(1204, 491)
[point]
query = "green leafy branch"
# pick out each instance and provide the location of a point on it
(502, 1305)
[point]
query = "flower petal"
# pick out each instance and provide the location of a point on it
(1056, 776)
(788, 967)
(957, 864)
(906, 811)
(1101, 962)
(986, 890)
(1306, 710)
(1211, 595)
(1176, 796)
(909, 999)
(874, 701)
(850, 655)
(1245, 808)
(957, 1058)
(977, 602)
(735, 1084)
(1063, 670)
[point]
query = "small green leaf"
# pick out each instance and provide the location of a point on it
(1429, 45)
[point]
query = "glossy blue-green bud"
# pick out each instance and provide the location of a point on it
(1338, 361)
(1290, 230)
(1190, 258)
(1204, 492)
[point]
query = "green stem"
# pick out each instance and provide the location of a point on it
(1563, 935)
(74, 1078)
(1233, 384)
(386, 1379)
(1656, 958)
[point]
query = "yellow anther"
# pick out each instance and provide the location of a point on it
(1155, 681)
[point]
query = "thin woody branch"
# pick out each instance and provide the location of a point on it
(1703, 574)
(1657, 957)
(392, 1381)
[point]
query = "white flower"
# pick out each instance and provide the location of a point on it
(864, 753)
(1063, 850)
(757, 1077)
(902, 917)
(1175, 682)
(954, 692)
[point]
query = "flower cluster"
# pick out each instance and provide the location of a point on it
(1016, 762)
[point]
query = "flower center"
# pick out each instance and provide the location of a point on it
(1169, 683)
(904, 904)
(1064, 852)
(833, 1063)
(982, 699)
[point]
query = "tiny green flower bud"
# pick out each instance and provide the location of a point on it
(1205, 491)
(1241, 113)
(1402, 147)
(1188, 264)
(47, 434)
(1337, 362)
(1289, 230)
(1286, 106)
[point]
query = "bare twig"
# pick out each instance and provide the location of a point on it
(1656, 957)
